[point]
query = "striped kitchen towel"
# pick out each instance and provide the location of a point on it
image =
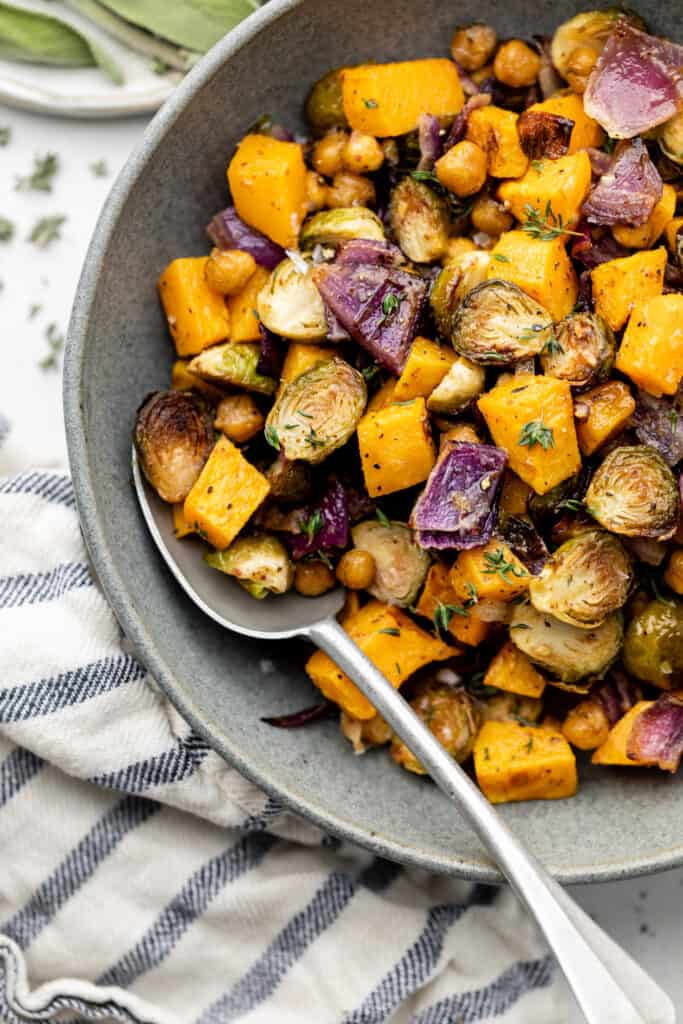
(143, 880)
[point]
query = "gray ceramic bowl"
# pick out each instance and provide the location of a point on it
(622, 822)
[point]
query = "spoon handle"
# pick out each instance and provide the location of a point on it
(607, 983)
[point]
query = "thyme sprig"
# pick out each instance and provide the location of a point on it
(546, 226)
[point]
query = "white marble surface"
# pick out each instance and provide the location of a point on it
(645, 915)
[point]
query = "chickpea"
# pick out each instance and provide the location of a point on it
(327, 154)
(457, 247)
(462, 169)
(473, 45)
(579, 66)
(516, 64)
(673, 576)
(362, 153)
(490, 216)
(460, 432)
(586, 726)
(239, 418)
(356, 569)
(228, 270)
(349, 190)
(315, 191)
(371, 732)
(313, 578)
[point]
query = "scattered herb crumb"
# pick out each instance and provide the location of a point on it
(5, 135)
(371, 104)
(99, 169)
(391, 632)
(501, 257)
(530, 745)
(33, 310)
(41, 177)
(313, 524)
(384, 519)
(6, 230)
(159, 66)
(47, 230)
(546, 226)
(535, 432)
(270, 434)
(496, 562)
(55, 341)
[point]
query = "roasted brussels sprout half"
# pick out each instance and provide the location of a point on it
(235, 364)
(317, 412)
(458, 277)
(671, 139)
(400, 565)
(173, 436)
(497, 322)
(289, 304)
(324, 106)
(371, 732)
(633, 492)
(290, 482)
(450, 714)
(461, 385)
(653, 645)
(581, 350)
(565, 651)
(509, 707)
(586, 579)
(331, 227)
(589, 30)
(260, 564)
(419, 220)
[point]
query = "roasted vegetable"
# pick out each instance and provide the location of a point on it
(602, 413)
(400, 565)
(558, 185)
(517, 762)
(590, 29)
(495, 131)
(234, 364)
(290, 304)
(301, 356)
(653, 645)
(565, 651)
(544, 135)
(463, 383)
(657, 733)
(519, 532)
(419, 219)
(260, 564)
(457, 507)
(196, 315)
(670, 138)
(585, 132)
(225, 496)
(317, 412)
(628, 191)
(427, 365)
(496, 323)
(387, 99)
(441, 605)
(239, 418)
(540, 266)
(228, 231)
(634, 493)
(244, 322)
(647, 234)
(396, 447)
(619, 284)
(290, 482)
(332, 227)
(327, 527)
(584, 580)
(490, 572)
(512, 671)
(582, 352)
(324, 107)
(183, 380)
(267, 180)
(651, 351)
(613, 750)
(373, 732)
(450, 714)
(460, 274)
(659, 423)
(173, 437)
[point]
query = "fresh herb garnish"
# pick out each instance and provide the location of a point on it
(571, 504)
(370, 372)
(501, 257)
(552, 347)
(546, 227)
(33, 310)
(530, 745)
(496, 562)
(535, 432)
(159, 66)
(673, 420)
(6, 230)
(459, 207)
(47, 230)
(270, 434)
(304, 415)
(474, 596)
(537, 165)
(5, 135)
(313, 524)
(55, 340)
(40, 178)
(390, 305)
(384, 519)
(443, 613)
(99, 168)
(498, 357)
(313, 439)
(609, 144)
(390, 632)
(531, 333)
(426, 176)
(371, 104)
(521, 625)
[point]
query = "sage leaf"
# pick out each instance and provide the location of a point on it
(193, 24)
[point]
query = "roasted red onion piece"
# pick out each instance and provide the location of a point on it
(457, 508)
(525, 541)
(636, 84)
(657, 733)
(378, 306)
(296, 719)
(618, 695)
(271, 355)
(629, 191)
(228, 231)
(459, 126)
(368, 250)
(596, 247)
(544, 135)
(430, 141)
(658, 422)
(327, 527)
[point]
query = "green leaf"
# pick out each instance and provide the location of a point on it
(38, 38)
(194, 24)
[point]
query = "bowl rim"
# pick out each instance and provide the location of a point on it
(103, 562)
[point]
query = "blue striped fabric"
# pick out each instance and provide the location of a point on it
(159, 943)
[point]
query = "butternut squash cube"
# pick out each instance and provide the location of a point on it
(426, 366)
(613, 750)
(647, 234)
(651, 351)
(495, 131)
(563, 183)
(181, 527)
(387, 99)
(383, 396)
(267, 180)
(468, 629)
(301, 357)
(182, 379)
(511, 670)
(197, 316)
(492, 571)
(244, 322)
(670, 232)
(610, 406)
(392, 642)
(586, 132)
(619, 284)
(396, 447)
(514, 496)
(227, 493)
(541, 269)
(534, 410)
(515, 762)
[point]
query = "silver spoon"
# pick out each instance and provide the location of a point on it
(608, 985)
